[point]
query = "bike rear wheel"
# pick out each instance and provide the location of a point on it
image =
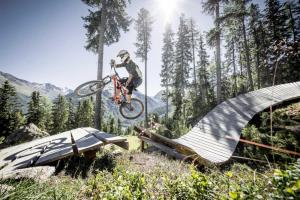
(132, 110)
(91, 87)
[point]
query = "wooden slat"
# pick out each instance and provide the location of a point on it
(109, 138)
(84, 140)
(105, 137)
(58, 148)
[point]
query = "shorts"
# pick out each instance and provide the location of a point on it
(134, 83)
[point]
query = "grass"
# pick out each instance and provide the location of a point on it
(136, 175)
(134, 142)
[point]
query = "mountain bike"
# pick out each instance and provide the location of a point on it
(131, 110)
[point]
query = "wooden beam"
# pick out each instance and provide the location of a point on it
(265, 146)
(167, 150)
(156, 137)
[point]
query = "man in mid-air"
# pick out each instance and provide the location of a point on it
(135, 75)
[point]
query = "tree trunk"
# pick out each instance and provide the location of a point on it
(101, 29)
(167, 99)
(247, 52)
(218, 49)
(241, 62)
(146, 105)
(292, 22)
(146, 60)
(234, 68)
(194, 63)
(257, 54)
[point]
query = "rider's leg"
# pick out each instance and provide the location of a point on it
(128, 98)
(129, 93)
(118, 97)
(118, 91)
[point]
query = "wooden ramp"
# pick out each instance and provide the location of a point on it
(52, 148)
(216, 136)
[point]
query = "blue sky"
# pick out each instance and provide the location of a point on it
(43, 40)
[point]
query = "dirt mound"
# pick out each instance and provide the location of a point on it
(25, 134)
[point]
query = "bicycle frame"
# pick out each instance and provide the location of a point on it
(119, 89)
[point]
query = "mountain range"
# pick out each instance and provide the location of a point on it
(24, 89)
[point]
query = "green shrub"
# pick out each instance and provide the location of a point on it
(286, 183)
(120, 184)
(195, 186)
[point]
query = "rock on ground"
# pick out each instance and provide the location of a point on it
(25, 134)
(39, 174)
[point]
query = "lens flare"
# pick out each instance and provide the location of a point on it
(167, 8)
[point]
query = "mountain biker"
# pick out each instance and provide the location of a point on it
(135, 75)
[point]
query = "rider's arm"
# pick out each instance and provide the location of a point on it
(120, 65)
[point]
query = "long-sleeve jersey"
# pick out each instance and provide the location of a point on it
(132, 69)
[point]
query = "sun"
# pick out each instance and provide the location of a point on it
(167, 8)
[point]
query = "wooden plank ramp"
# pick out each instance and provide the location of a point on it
(56, 147)
(216, 135)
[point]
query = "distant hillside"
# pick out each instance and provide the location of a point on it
(158, 96)
(24, 89)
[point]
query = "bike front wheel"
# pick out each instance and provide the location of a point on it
(91, 87)
(132, 110)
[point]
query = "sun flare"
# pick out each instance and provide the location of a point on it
(167, 8)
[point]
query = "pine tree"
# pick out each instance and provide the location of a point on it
(275, 20)
(183, 58)
(35, 112)
(60, 115)
(112, 127)
(167, 64)
(119, 127)
(183, 54)
(46, 119)
(291, 11)
(202, 71)
(234, 12)
(193, 35)
(143, 26)
(201, 100)
(296, 15)
(11, 116)
(213, 7)
(278, 33)
(85, 113)
(71, 123)
(257, 33)
(103, 28)
(17, 120)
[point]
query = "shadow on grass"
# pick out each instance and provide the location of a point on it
(79, 166)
